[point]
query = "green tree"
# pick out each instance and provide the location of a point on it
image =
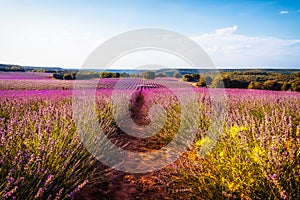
(255, 85)
(196, 77)
(106, 75)
(208, 80)
(188, 78)
(58, 76)
(177, 75)
(223, 83)
(116, 75)
(285, 86)
(201, 82)
(149, 75)
(295, 86)
(161, 75)
(125, 75)
(272, 85)
(68, 77)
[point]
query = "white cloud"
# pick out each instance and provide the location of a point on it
(226, 31)
(283, 12)
(227, 48)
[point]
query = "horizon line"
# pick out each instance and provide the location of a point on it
(218, 68)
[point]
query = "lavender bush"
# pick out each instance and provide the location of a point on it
(42, 157)
(256, 157)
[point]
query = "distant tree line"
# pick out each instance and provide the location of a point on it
(265, 79)
(72, 75)
(18, 68)
(11, 68)
(88, 75)
(44, 71)
(255, 79)
(292, 85)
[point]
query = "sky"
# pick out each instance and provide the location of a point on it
(235, 34)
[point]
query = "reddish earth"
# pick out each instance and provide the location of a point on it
(121, 185)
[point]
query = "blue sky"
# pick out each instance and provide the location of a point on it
(233, 33)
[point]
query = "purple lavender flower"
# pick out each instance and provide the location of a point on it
(274, 176)
(273, 148)
(11, 179)
(283, 195)
(72, 195)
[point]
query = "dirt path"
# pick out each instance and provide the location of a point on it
(121, 185)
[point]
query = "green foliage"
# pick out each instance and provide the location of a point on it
(272, 85)
(125, 75)
(220, 83)
(161, 75)
(191, 77)
(106, 75)
(201, 82)
(188, 78)
(196, 77)
(295, 74)
(149, 75)
(16, 68)
(208, 80)
(110, 75)
(86, 75)
(295, 86)
(68, 77)
(177, 75)
(255, 85)
(58, 76)
(116, 75)
(285, 86)
(13, 68)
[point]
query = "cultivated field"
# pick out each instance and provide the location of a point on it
(257, 155)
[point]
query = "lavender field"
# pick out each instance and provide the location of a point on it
(257, 155)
